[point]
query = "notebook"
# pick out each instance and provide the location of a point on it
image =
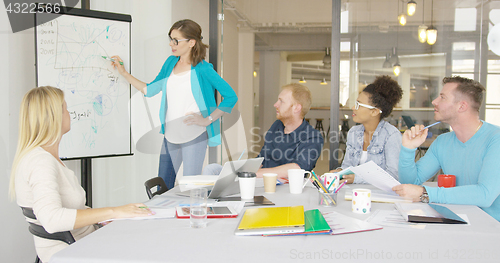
(428, 213)
(271, 220)
(315, 224)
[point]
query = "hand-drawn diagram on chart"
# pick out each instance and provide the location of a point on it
(69, 56)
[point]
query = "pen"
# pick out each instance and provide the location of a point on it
(143, 207)
(340, 186)
(428, 126)
(319, 182)
(241, 154)
(110, 59)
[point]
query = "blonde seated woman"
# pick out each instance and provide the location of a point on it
(41, 181)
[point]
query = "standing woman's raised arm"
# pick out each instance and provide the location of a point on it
(139, 85)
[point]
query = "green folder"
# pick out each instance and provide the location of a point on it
(315, 224)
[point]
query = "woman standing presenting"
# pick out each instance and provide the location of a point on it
(40, 180)
(189, 114)
(375, 139)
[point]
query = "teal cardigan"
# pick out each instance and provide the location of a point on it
(203, 85)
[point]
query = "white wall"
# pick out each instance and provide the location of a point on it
(18, 76)
(116, 180)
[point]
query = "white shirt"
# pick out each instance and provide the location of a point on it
(364, 157)
(180, 101)
(54, 193)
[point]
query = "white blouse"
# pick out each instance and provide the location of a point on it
(54, 193)
(180, 101)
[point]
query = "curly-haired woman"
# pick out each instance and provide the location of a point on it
(375, 139)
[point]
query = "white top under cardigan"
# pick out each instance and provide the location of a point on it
(180, 101)
(54, 193)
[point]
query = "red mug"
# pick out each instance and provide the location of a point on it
(446, 180)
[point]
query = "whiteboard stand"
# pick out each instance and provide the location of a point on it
(70, 46)
(86, 174)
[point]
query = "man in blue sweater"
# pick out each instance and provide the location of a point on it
(471, 152)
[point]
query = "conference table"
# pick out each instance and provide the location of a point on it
(173, 240)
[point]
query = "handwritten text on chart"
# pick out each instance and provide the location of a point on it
(77, 115)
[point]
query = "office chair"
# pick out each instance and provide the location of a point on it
(39, 231)
(155, 181)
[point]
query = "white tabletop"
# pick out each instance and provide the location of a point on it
(173, 240)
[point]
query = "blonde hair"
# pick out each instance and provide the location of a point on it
(301, 94)
(40, 123)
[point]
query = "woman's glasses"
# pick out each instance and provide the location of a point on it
(176, 41)
(357, 104)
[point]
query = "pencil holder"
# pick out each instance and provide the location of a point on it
(327, 199)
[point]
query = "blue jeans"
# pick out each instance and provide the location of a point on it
(172, 155)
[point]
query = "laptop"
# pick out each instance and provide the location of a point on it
(408, 121)
(226, 183)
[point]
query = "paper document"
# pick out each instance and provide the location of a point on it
(160, 213)
(379, 196)
(167, 201)
(392, 218)
(376, 176)
(342, 224)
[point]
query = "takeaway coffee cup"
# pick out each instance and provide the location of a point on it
(270, 182)
(446, 180)
(247, 184)
(297, 181)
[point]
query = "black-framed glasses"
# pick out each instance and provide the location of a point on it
(176, 41)
(357, 104)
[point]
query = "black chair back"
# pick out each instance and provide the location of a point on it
(153, 182)
(39, 231)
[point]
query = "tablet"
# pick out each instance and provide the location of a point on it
(212, 212)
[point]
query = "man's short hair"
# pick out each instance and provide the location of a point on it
(470, 88)
(301, 94)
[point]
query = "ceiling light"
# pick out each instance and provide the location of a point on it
(397, 69)
(323, 82)
(412, 87)
(302, 80)
(431, 33)
(425, 87)
(387, 62)
(402, 19)
(411, 7)
(255, 74)
(327, 59)
(422, 29)
(422, 33)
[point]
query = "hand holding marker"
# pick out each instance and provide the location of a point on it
(110, 59)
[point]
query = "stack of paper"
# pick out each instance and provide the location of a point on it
(342, 224)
